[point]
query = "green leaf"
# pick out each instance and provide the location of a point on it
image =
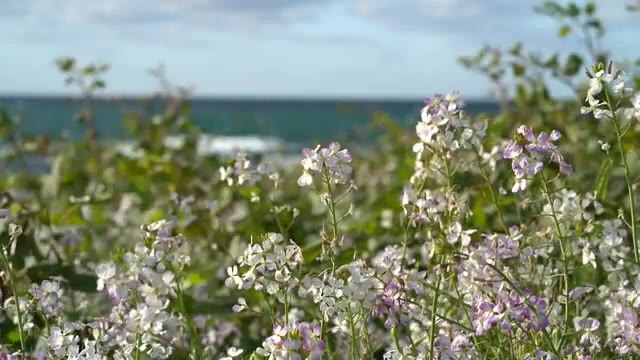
(633, 161)
(596, 26)
(193, 278)
(516, 49)
(573, 10)
(14, 336)
(602, 179)
(311, 251)
(65, 64)
(518, 69)
(479, 217)
(82, 282)
(552, 62)
(98, 84)
(590, 8)
(550, 8)
(573, 65)
(76, 281)
(564, 30)
(89, 69)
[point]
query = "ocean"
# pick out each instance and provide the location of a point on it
(239, 124)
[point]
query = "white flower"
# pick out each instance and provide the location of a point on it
(233, 280)
(105, 271)
(305, 179)
(519, 185)
(331, 159)
(240, 306)
(456, 234)
(232, 352)
(604, 146)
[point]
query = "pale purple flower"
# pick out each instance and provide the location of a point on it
(526, 164)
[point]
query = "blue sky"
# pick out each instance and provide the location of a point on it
(330, 48)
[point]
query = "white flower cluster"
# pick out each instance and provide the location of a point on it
(443, 130)
(623, 321)
(64, 342)
(446, 347)
(244, 171)
(25, 315)
(429, 207)
(603, 80)
(49, 297)
(332, 159)
(384, 290)
(141, 319)
(294, 341)
(268, 266)
(569, 205)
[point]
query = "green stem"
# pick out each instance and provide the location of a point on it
(494, 200)
(365, 335)
(563, 254)
(627, 178)
(12, 282)
(138, 343)
(434, 305)
(193, 332)
(332, 212)
(396, 342)
(325, 336)
(355, 352)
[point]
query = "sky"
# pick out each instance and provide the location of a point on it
(278, 48)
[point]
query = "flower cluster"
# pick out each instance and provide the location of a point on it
(298, 340)
(268, 266)
(384, 290)
(443, 130)
(64, 342)
(141, 318)
(24, 316)
(455, 347)
(509, 311)
(244, 171)
(49, 297)
(528, 152)
(331, 159)
(603, 80)
(423, 208)
(443, 123)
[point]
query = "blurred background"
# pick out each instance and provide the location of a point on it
(266, 73)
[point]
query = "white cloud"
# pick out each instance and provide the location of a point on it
(468, 18)
(472, 17)
(223, 13)
(465, 22)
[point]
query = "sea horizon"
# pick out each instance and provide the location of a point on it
(236, 97)
(249, 124)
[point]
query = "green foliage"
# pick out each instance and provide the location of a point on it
(89, 205)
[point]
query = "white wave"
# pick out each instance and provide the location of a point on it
(214, 145)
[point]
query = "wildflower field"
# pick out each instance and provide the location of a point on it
(503, 236)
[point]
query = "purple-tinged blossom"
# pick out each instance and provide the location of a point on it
(297, 340)
(527, 155)
(507, 309)
(331, 158)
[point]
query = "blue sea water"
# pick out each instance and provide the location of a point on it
(292, 121)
